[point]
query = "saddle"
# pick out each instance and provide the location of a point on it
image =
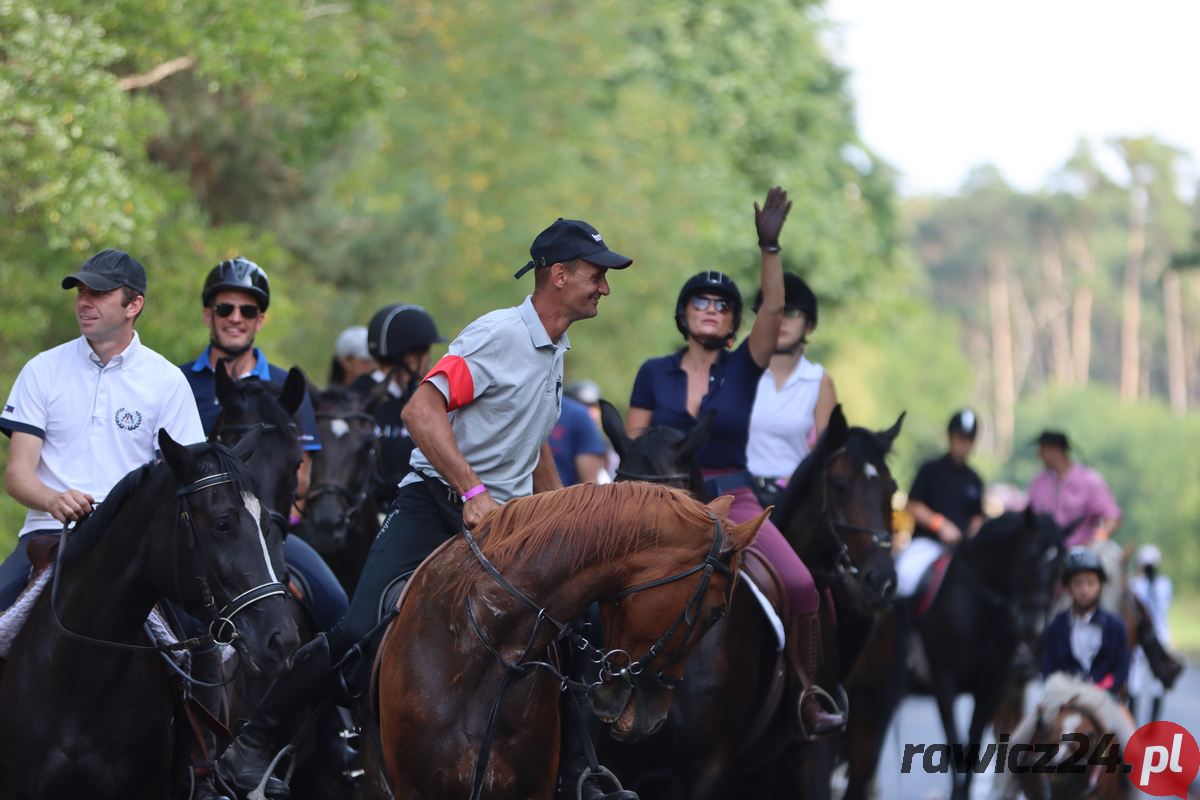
(929, 585)
(397, 588)
(767, 587)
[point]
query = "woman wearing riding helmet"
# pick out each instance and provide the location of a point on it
(795, 396)
(706, 375)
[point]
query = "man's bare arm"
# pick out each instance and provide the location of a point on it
(24, 486)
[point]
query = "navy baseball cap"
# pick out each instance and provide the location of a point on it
(567, 240)
(107, 270)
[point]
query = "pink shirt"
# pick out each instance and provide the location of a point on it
(1081, 493)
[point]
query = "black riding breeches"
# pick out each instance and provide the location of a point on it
(424, 515)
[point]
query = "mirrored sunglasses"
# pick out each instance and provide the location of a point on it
(249, 310)
(701, 303)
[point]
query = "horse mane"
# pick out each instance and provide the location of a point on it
(87, 533)
(1063, 690)
(579, 524)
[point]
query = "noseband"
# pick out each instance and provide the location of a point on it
(221, 629)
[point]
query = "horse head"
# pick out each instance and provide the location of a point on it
(1015, 559)
(249, 403)
(837, 511)
(218, 566)
(655, 622)
(660, 454)
(343, 470)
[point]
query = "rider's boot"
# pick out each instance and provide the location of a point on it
(573, 760)
(206, 668)
(249, 757)
(803, 655)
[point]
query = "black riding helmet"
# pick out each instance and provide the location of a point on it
(238, 274)
(796, 294)
(964, 422)
(710, 282)
(399, 329)
(1080, 559)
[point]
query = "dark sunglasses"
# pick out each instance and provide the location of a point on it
(701, 303)
(249, 310)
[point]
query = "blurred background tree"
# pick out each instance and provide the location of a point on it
(367, 153)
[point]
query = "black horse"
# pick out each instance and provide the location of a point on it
(341, 508)
(837, 514)
(322, 761)
(727, 734)
(84, 713)
(994, 598)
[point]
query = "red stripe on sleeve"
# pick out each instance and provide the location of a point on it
(458, 374)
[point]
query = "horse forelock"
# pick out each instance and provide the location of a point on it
(256, 402)
(584, 524)
(655, 452)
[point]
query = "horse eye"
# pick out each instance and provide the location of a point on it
(222, 525)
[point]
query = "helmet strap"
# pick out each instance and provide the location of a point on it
(234, 353)
(798, 347)
(711, 343)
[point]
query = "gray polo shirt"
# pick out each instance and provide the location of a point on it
(502, 379)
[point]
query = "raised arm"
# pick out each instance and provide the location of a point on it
(768, 221)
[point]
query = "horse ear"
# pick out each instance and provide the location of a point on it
(742, 535)
(245, 446)
(226, 385)
(698, 435)
(614, 428)
(721, 505)
(836, 431)
(294, 389)
(178, 458)
(887, 438)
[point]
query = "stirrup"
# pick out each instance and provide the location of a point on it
(599, 772)
(841, 708)
(260, 791)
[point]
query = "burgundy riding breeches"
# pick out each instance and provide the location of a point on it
(797, 580)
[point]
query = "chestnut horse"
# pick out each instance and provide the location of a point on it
(728, 735)
(469, 697)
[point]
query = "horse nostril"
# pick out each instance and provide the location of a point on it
(280, 649)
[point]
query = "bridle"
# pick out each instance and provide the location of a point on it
(352, 503)
(222, 630)
(221, 429)
(629, 670)
(843, 563)
(670, 478)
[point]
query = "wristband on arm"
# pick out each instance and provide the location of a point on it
(936, 522)
(474, 491)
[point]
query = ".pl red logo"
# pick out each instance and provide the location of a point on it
(1164, 759)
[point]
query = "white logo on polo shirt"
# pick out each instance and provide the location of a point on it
(128, 420)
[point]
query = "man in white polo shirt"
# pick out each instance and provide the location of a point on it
(85, 413)
(480, 420)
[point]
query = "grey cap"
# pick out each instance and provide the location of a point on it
(108, 270)
(352, 343)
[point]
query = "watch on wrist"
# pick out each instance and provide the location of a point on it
(769, 248)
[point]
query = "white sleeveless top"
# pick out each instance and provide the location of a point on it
(782, 420)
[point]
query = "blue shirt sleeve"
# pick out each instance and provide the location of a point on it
(642, 395)
(587, 436)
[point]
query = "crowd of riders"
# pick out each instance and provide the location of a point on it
(492, 420)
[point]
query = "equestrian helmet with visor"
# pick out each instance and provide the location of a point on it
(237, 274)
(399, 329)
(709, 282)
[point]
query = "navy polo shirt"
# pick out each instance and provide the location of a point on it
(661, 388)
(200, 377)
(574, 434)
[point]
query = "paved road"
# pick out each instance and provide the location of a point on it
(918, 721)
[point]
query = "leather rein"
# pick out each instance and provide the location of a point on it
(629, 669)
(221, 630)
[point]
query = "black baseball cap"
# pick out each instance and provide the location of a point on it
(107, 270)
(1053, 439)
(568, 239)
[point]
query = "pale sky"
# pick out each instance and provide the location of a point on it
(942, 85)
